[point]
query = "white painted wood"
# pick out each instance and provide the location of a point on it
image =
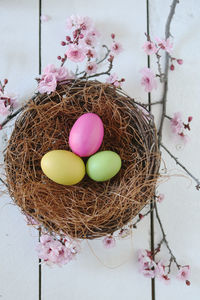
(87, 278)
(18, 63)
(181, 207)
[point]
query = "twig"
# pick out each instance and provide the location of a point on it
(182, 166)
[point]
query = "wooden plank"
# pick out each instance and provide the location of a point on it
(180, 209)
(18, 63)
(87, 278)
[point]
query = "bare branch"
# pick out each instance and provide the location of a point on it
(182, 166)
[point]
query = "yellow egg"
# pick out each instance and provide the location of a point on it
(63, 167)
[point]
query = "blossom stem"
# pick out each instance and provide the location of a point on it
(182, 166)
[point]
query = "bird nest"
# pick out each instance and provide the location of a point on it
(88, 209)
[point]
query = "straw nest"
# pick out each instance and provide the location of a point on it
(89, 209)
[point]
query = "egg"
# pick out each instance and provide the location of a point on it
(103, 165)
(86, 135)
(63, 167)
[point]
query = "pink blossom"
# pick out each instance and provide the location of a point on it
(85, 23)
(184, 273)
(113, 79)
(45, 238)
(160, 198)
(116, 48)
(109, 242)
(124, 232)
(91, 53)
(90, 39)
(45, 18)
(8, 102)
(63, 74)
(160, 270)
(148, 79)
(117, 84)
(166, 45)
(94, 32)
(48, 84)
(148, 269)
(143, 256)
(53, 251)
(75, 54)
(91, 68)
(177, 123)
(50, 76)
(49, 69)
(150, 48)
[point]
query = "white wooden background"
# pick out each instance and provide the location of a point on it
(88, 278)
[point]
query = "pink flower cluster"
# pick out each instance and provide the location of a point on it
(82, 42)
(50, 78)
(8, 101)
(153, 47)
(150, 47)
(178, 127)
(58, 252)
(149, 268)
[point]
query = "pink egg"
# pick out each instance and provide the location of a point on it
(86, 135)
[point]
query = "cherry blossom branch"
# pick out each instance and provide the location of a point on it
(166, 69)
(164, 240)
(140, 217)
(182, 166)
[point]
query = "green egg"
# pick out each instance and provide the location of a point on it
(103, 165)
